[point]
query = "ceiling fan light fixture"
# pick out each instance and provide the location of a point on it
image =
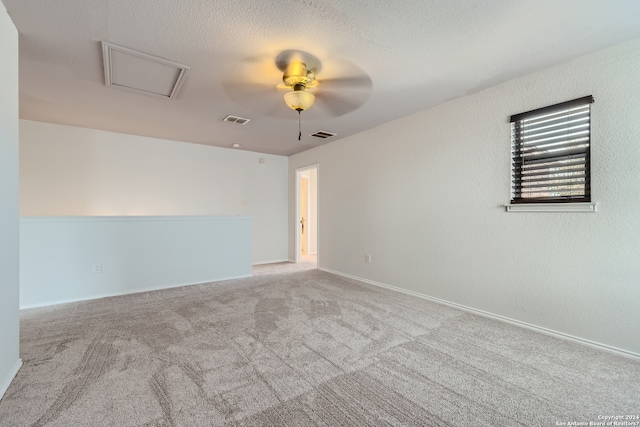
(299, 99)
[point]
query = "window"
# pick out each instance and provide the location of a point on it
(550, 153)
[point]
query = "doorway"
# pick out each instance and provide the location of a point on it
(307, 214)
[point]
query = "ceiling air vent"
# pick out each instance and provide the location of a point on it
(322, 134)
(236, 119)
(139, 72)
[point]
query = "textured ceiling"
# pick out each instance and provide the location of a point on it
(416, 54)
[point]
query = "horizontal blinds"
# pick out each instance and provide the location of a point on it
(550, 153)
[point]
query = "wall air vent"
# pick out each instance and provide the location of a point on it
(139, 72)
(236, 119)
(322, 134)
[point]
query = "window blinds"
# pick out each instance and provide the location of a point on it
(550, 153)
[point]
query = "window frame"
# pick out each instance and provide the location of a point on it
(519, 149)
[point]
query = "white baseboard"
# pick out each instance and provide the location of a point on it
(526, 325)
(6, 382)
(275, 261)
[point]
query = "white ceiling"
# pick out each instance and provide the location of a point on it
(417, 54)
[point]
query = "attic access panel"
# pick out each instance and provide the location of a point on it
(128, 69)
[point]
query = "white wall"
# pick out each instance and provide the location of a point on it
(9, 204)
(424, 195)
(72, 171)
(65, 259)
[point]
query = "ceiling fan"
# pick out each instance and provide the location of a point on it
(334, 88)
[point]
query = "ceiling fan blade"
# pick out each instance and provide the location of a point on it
(263, 99)
(285, 58)
(336, 105)
(344, 90)
(362, 82)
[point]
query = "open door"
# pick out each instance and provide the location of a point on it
(304, 214)
(307, 214)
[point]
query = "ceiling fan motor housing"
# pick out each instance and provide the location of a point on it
(297, 74)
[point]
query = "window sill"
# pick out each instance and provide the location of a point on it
(553, 207)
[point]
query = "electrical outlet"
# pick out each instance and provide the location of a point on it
(367, 258)
(97, 267)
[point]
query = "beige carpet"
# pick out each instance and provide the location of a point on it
(299, 347)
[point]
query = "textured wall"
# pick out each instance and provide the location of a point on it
(72, 171)
(424, 195)
(9, 205)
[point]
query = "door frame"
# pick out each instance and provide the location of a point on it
(298, 236)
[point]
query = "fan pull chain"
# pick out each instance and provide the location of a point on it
(299, 127)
